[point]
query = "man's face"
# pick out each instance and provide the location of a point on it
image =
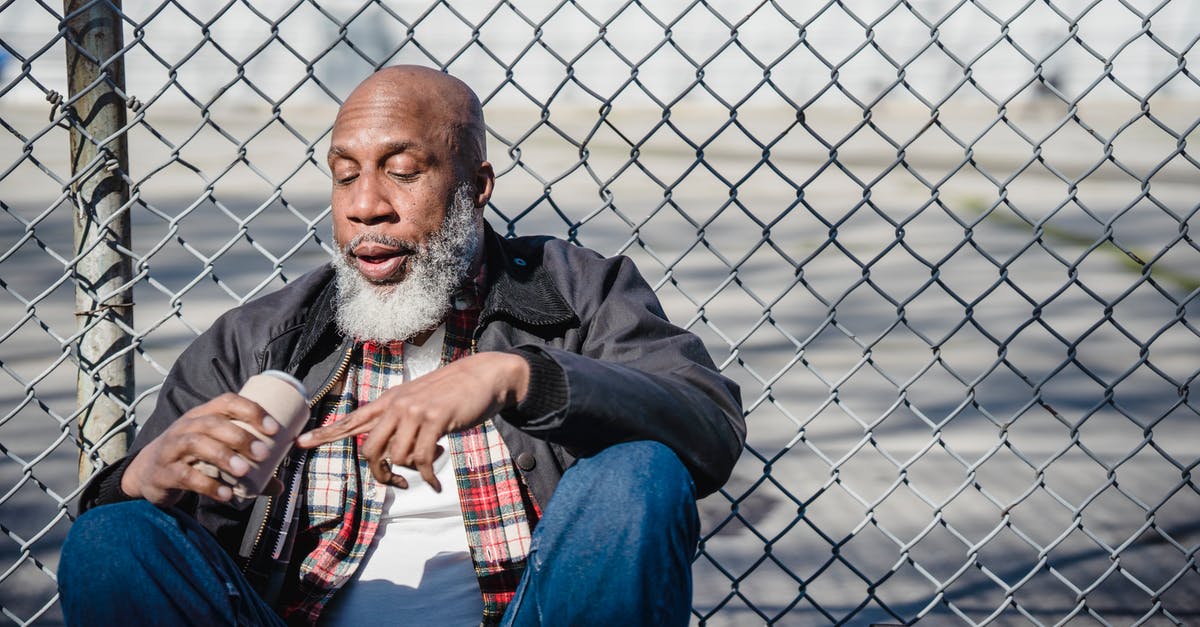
(393, 165)
(401, 310)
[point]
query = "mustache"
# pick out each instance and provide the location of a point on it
(405, 247)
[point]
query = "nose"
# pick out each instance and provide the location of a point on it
(369, 204)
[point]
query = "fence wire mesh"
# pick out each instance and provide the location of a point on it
(943, 245)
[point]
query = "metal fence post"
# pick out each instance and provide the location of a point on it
(103, 292)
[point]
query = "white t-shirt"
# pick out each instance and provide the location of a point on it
(418, 569)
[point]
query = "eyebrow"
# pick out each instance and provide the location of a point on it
(390, 148)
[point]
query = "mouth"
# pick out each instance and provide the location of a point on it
(380, 263)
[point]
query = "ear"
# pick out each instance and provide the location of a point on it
(484, 178)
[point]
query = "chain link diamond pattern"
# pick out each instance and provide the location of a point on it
(943, 245)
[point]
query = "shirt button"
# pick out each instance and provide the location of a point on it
(526, 461)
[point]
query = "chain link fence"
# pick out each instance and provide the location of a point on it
(943, 245)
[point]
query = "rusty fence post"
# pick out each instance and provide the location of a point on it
(100, 193)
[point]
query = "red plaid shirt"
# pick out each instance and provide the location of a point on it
(343, 502)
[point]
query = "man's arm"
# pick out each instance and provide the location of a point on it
(636, 377)
(403, 425)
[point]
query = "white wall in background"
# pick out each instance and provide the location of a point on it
(208, 69)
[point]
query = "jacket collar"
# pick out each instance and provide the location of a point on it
(519, 286)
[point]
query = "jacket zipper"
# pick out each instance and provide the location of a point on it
(478, 331)
(341, 372)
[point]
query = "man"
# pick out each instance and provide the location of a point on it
(561, 421)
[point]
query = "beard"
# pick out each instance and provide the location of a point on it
(420, 300)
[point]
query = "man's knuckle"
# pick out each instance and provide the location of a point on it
(181, 474)
(420, 411)
(206, 422)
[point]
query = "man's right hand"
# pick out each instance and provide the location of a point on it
(163, 470)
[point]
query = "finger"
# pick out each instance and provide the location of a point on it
(400, 445)
(382, 471)
(235, 407)
(395, 450)
(378, 460)
(424, 453)
(203, 447)
(259, 451)
(252, 414)
(374, 450)
(219, 424)
(359, 421)
(189, 478)
(219, 437)
(375, 446)
(227, 432)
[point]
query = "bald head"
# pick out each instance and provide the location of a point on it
(428, 97)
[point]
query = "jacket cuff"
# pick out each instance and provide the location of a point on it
(547, 392)
(105, 487)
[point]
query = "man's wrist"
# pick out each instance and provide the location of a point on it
(518, 380)
(128, 481)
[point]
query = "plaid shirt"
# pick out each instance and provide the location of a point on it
(344, 503)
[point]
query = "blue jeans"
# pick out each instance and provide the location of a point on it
(614, 545)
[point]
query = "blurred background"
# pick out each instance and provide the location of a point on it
(943, 245)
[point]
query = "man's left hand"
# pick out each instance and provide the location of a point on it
(406, 421)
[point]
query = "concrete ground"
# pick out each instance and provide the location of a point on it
(961, 407)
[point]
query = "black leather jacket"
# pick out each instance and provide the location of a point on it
(607, 367)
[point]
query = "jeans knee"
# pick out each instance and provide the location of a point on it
(645, 479)
(102, 538)
(666, 465)
(621, 532)
(119, 521)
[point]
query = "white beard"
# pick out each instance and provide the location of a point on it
(419, 302)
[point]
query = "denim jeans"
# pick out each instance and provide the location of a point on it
(614, 545)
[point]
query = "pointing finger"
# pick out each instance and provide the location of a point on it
(424, 454)
(359, 421)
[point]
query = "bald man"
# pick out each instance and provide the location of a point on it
(502, 431)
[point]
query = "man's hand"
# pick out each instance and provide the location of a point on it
(406, 421)
(162, 471)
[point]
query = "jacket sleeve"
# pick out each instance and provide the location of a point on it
(635, 377)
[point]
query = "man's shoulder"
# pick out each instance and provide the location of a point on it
(287, 307)
(584, 277)
(548, 249)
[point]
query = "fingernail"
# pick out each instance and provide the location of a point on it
(270, 426)
(304, 439)
(238, 465)
(259, 451)
(224, 493)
